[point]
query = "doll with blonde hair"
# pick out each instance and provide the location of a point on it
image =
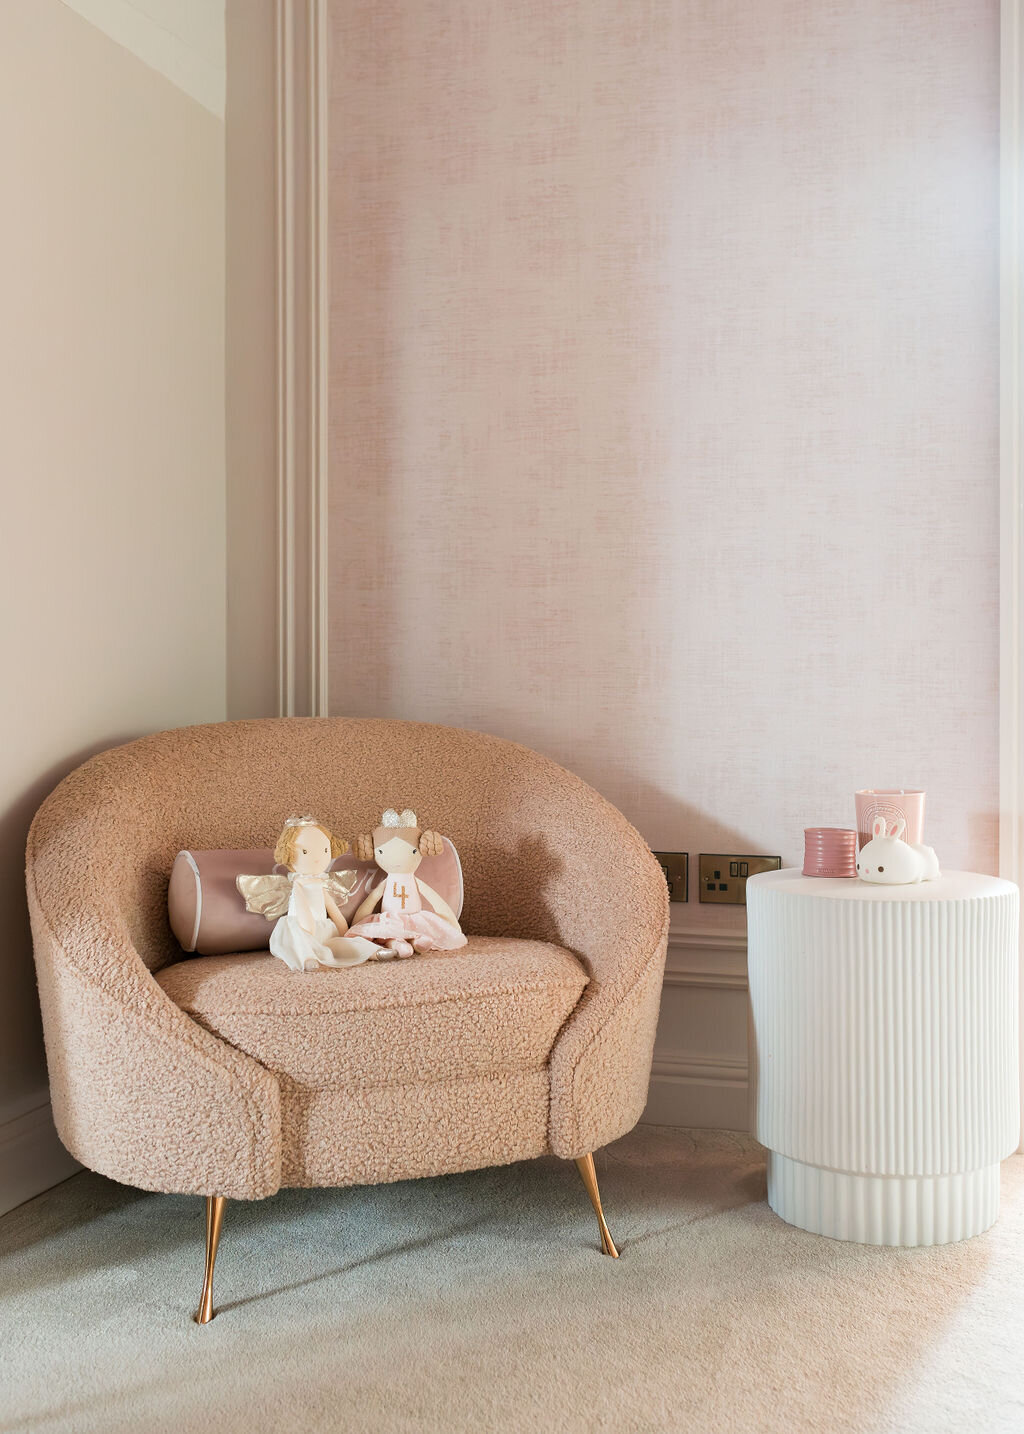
(404, 925)
(310, 930)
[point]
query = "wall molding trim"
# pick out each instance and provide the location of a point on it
(707, 957)
(698, 1091)
(32, 1158)
(704, 1070)
(718, 980)
(697, 1087)
(1011, 456)
(302, 315)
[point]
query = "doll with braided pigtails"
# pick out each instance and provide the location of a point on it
(403, 925)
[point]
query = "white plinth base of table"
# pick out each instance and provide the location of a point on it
(883, 1209)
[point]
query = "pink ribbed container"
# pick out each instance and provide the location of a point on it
(830, 851)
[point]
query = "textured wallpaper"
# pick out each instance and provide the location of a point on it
(664, 398)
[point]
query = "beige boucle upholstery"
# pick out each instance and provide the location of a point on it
(492, 1008)
(232, 1075)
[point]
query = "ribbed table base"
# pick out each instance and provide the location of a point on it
(883, 1209)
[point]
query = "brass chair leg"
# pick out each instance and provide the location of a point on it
(214, 1218)
(585, 1165)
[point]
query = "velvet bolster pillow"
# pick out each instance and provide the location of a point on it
(207, 912)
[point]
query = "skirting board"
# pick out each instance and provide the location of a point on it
(31, 1157)
(709, 1095)
(705, 1089)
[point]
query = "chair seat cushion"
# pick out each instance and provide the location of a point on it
(491, 1008)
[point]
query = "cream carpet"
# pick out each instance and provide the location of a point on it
(481, 1302)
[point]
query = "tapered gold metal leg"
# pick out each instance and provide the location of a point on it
(214, 1218)
(585, 1165)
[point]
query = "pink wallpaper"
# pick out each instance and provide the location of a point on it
(664, 398)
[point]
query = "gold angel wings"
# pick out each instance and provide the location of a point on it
(268, 895)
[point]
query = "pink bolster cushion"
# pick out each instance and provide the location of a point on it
(207, 911)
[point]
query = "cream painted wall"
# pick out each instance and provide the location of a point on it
(112, 435)
(664, 399)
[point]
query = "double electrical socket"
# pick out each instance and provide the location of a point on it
(723, 879)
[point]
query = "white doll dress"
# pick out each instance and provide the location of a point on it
(302, 949)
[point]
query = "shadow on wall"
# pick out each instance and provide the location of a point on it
(670, 824)
(22, 1048)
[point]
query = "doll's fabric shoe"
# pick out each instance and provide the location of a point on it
(395, 948)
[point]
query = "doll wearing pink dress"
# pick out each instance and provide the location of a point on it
(403, 924)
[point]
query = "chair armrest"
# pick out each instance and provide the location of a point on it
(601, 1062)
(140, 1091)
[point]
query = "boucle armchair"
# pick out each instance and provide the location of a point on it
(232, 1076)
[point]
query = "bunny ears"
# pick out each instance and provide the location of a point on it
(879, 828)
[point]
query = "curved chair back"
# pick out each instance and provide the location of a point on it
(105, 840)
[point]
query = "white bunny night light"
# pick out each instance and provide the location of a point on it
(887, 860)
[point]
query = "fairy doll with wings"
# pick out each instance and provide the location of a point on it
(306, 903)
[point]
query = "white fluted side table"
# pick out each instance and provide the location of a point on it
(885, 1050)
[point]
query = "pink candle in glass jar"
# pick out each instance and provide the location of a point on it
(891, 803)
